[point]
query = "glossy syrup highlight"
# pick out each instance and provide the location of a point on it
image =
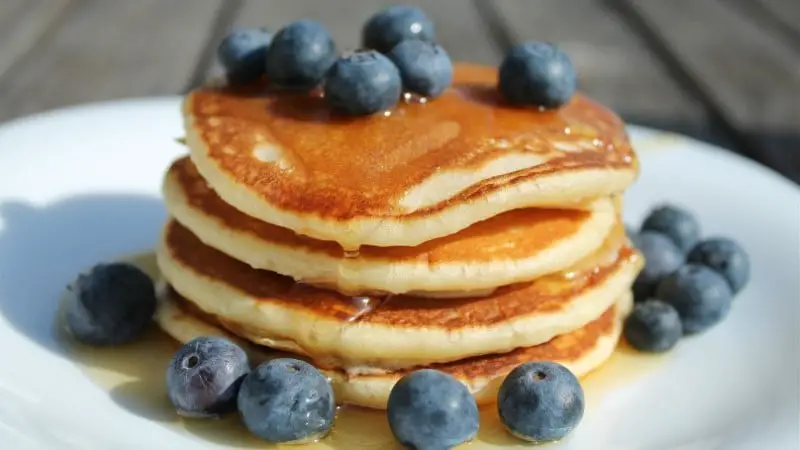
(399, 150)
(134, 377)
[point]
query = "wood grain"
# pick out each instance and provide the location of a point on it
(22, 23)
(777, 17)
(749, 73)
(786, 11)
(613, 66)
(109, 49)
(459, 26)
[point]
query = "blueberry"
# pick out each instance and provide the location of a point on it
(653, 326)
(111, 304)
(701, 296)
(675, 223)
(363, 83)
(662, 257)
(387, 28)
(300, 55)
(428, 409)
(425, 67)
(726, 257)
(204, 376)
(538, 74)
(287, 400)
(540, 401)
(243, 54)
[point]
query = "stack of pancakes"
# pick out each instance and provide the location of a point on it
(459, 234)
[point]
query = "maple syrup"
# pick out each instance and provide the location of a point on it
(134, 377)
(351, 254)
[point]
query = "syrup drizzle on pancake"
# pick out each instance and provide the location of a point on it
(313, 160)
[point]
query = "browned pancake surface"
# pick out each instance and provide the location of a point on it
(354, 167)
(512, 235)
(546, 294)
(566, 347)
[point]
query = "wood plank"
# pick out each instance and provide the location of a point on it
(459, 26)
(751, 74)
(778, 17)
(22, 23)
(109, 49)
(612, 64)
(786, 11)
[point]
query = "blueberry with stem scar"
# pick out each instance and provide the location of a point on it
(363, 83)
(204, 376)
(540, 402)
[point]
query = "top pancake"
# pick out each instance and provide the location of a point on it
(415, 173)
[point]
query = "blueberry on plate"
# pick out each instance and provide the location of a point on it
(363, 83)
(204, 376)
(287, 400)
(300, 55)
(537, 74)
(387, 28)
(425, 67)
(431, 409)
(662, 257)
(243, 54)
(653, 326)
(726, 257)
(540, 402)
(701, 296)
(111, 304)
(675, 223)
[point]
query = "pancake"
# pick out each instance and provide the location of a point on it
(363, 333)
(418, 172)
(512, 247)
(581, 351)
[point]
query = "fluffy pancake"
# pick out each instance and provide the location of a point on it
(515, 246)
(363, 333)
(418, 172)
(581, 351)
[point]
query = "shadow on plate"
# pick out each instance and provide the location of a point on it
(42, 248)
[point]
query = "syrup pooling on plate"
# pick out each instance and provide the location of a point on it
(395, 154)
(133, 376)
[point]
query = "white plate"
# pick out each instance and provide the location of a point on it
(82, 184)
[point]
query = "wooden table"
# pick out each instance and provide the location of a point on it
(725, 71)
